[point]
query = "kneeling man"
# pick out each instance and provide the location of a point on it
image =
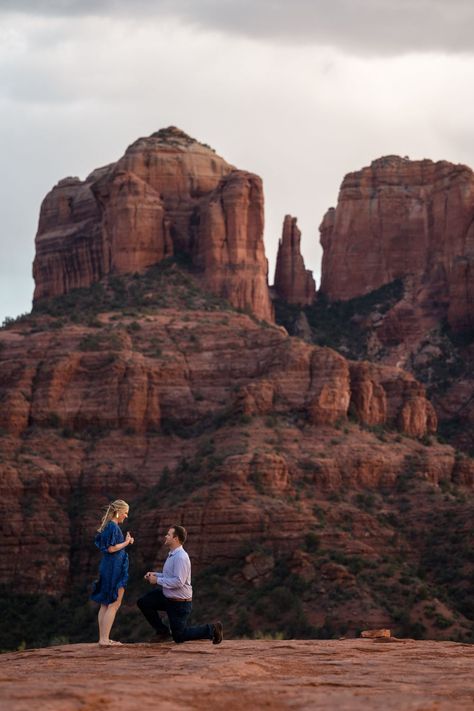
(175, 596)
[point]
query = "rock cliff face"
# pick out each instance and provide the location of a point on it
(167, 194)
(383, 394)
(400, 218)
(399, 252)
(147, 387)
(229, 246)
(108, 380)
(293, 283)
(231, 427)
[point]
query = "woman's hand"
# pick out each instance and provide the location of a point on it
(129, 540)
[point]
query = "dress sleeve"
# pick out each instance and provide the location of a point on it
(110, 536)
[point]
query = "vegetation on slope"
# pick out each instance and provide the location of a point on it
(327, 581)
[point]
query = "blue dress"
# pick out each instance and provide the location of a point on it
(113, 569)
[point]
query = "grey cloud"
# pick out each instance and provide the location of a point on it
(26, 85)
(360, 26)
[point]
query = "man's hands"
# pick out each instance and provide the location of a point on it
(151, 577)
(129, 540)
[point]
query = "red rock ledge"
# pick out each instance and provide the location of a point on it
(346, 675)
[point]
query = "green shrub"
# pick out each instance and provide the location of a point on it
(312, 542)
(333, 323)
(442, 622)
(365, 501)
(133, 327)
(53, 420)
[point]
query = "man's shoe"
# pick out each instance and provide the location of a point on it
(217, 633)
(160, 637)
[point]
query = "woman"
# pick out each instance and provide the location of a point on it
(113, 570)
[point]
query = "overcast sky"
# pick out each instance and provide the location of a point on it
(299, 91)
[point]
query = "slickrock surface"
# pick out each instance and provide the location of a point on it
(345, 675)
(293, 282)
(399, 218)
(168, 194)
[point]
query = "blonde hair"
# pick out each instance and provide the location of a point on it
(115, 507)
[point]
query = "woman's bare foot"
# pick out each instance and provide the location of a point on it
(113, 643)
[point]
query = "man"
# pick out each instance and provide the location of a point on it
(175, 596)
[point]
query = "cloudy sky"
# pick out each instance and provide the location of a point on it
(299, 91)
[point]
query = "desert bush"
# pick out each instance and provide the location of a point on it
(333, 323)
(312, 542)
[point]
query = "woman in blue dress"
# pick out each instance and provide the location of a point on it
(113, 569)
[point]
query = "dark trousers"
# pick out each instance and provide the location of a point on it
(178, 614)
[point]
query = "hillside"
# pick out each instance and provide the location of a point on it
(311, 458)
(305, 518)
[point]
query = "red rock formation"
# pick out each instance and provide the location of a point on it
(293, 283)
(398, 218)
(256, 398)
(135, 228)
(368, 397)
(69, 248)
(210, 418)
(106, 379)
(229, 246)
(461, 288)
(383, 395)
(166, 194)
(330, 388)
(229, 427)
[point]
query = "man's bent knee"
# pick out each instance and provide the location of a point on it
(178, 633)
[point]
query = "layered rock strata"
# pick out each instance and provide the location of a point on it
(383, 394)
(91, 412)
(229, 244)
(167, 194)
(399, 218)
(109, 379)
(293, 282)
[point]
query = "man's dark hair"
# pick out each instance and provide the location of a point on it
(180, 533)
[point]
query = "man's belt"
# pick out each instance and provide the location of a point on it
(180, 599)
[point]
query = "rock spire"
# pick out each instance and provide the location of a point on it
(293, 282)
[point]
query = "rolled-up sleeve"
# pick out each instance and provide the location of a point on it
(110, 536)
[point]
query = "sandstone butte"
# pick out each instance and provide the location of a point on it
(411, 222)
(349, 675)
(168, 194)
(309, 482)
(399, 218)
(293, 282)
